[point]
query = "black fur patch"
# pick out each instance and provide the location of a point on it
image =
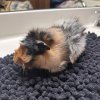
(31, 44)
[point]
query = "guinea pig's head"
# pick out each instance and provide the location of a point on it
(20, 56)
(28, 51)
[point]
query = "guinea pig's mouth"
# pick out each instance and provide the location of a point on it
(21, 63)
(27, 65)
(23, 68)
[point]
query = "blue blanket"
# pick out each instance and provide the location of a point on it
(80, 81)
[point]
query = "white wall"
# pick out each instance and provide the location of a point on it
(15, 23)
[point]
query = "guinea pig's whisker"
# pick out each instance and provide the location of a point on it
(25, 71)
(23, 66)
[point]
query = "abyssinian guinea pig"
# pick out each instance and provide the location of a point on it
(52, 48)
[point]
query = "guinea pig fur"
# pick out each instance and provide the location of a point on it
(52, 48)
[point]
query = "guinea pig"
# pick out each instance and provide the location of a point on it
(52, 48)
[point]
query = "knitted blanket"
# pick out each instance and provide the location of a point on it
(80, 81)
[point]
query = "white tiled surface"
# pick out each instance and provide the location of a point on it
(7, 46)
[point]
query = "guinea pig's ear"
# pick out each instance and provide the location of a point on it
(23, 43)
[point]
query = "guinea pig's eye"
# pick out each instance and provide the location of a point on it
(49, 40)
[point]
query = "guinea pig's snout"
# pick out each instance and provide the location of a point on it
(17, 61)
(20, 63)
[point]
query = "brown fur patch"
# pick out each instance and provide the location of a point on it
(20, 56)
(54, 56)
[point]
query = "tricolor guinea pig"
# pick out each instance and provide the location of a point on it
(52, 48)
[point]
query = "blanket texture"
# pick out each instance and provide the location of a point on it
(80, 81)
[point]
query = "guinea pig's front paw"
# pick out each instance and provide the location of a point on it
(59, 68)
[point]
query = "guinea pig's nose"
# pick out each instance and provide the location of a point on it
(18, 61)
